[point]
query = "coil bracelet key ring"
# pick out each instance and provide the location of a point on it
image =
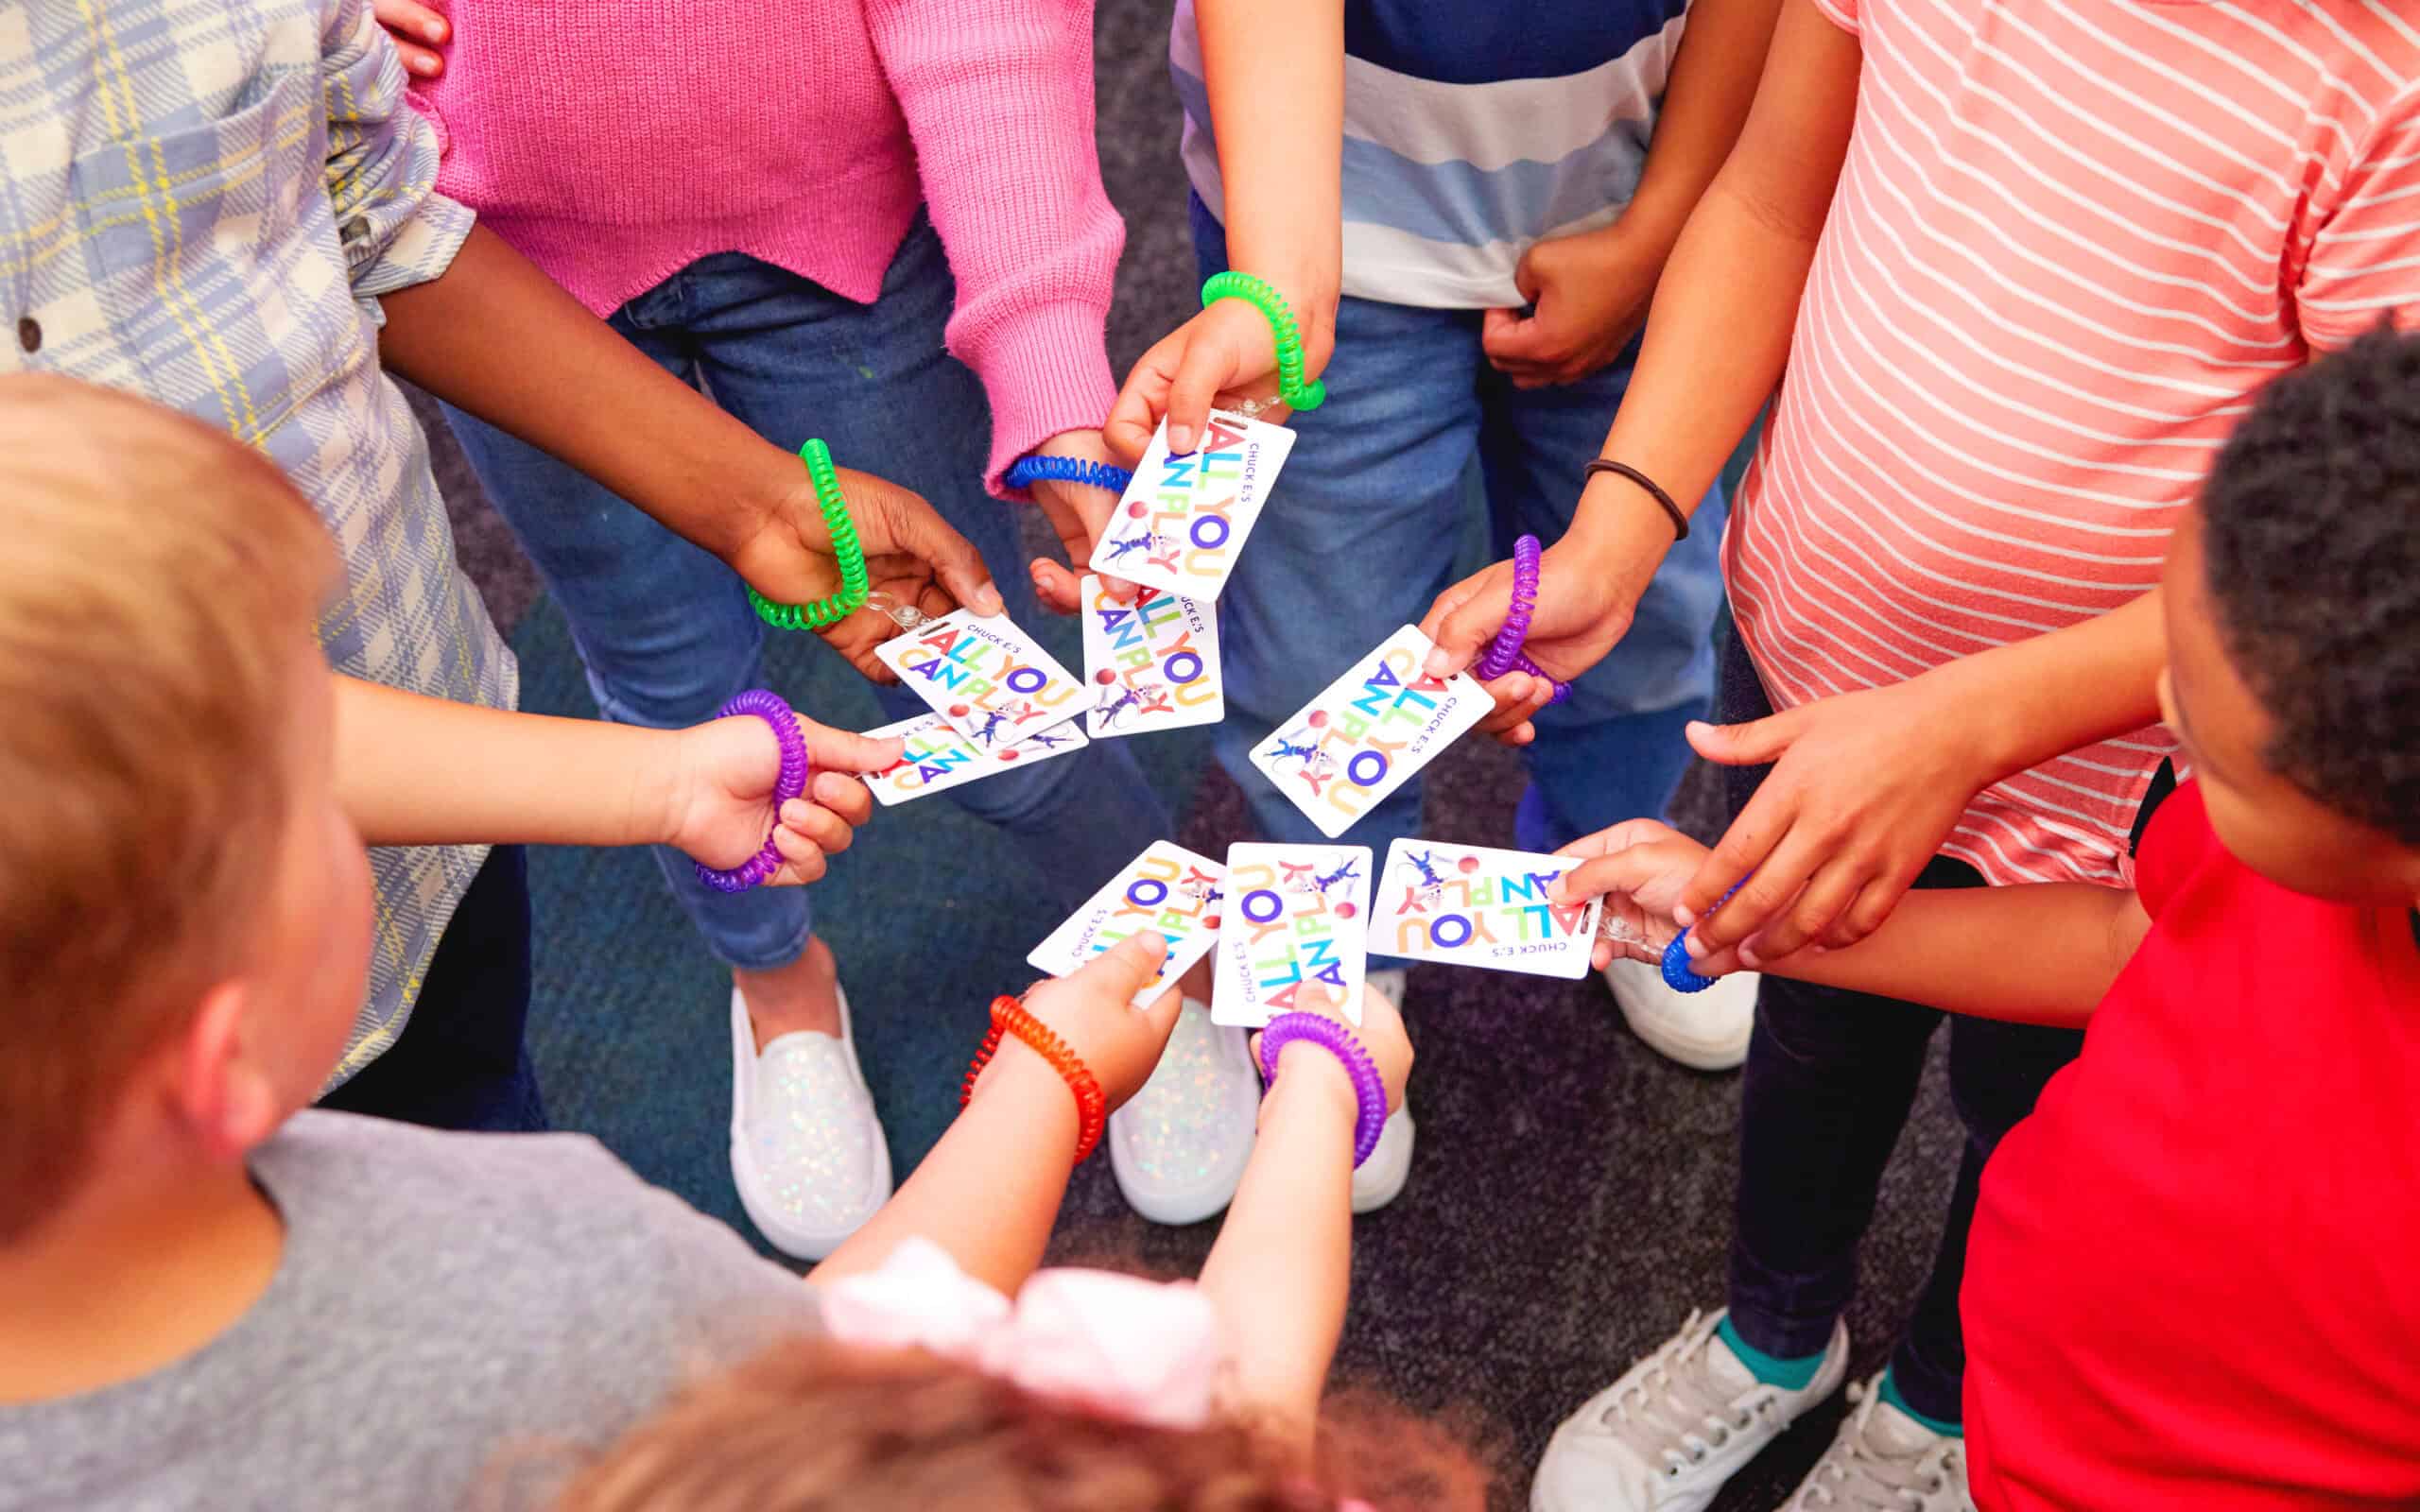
(846, 549)
(797, 769)
(1504, 654)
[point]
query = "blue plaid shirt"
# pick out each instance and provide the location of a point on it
(200, 202)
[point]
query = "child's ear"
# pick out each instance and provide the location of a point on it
(224, 1093)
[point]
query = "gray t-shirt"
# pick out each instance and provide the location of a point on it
(453, 1312)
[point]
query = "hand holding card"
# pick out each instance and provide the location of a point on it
(1168, 888)
(1476, 906)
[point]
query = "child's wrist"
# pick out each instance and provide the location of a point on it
(1024, 1088)
(1313, 1074)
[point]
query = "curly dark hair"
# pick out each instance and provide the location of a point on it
(2312, 537)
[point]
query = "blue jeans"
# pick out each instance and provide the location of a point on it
(1361, 535)
(664, 628)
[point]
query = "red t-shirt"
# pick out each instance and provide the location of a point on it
(2194, 1275)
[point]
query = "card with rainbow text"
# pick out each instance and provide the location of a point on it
(1184, 519)
(1293, 914)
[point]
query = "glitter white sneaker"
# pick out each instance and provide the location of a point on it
(1380, 1179)
(1706, 1031)
(806, 1148)
(1666, 1435)
(1179, 1146)
(1885, 1460)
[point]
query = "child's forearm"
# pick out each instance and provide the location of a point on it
(2043, 953)
(1276, 72)
(496, 339)
(413, 770)
(990, 1190)
(1281, 1267)
(1706, 101)
(1720, 325)
(2021, 704)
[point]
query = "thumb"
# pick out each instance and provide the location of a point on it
(1471, 624)
(1752, 743)
(837, 751)
(1525, 276)
(1129, 966)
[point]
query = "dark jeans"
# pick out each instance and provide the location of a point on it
(1829, 1079)
(462, 1061)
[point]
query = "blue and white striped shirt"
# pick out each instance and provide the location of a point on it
(1471, 131)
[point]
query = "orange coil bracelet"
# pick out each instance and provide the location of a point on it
(1009, 1017)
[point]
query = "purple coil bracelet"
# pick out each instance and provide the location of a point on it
(1368, 1090)
(792, 784)
(1503, 655)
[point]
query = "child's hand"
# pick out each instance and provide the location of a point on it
(1640, 865)
(411, 25)
(1866, 787)
(1588, 296)
(1582, 611)
(1079, 512)
(913, 558)
(1226, 350)
(722, 783)
(1092, 1009)
(1381, 1034)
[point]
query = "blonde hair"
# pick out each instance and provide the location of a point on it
(813, 1426)
(159, 580)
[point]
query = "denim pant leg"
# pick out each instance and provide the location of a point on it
(1829, 1080)
(1359, 536)
(664, 628)
(793, 360)
(1614, 750)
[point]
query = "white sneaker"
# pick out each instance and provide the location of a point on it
(1179, 1146)
(1883, 1458)
(1379, 1180)
(1708, 1031)
(1666, 1435)
(806, 1147)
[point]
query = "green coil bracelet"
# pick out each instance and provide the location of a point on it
(851, 557)
(1288, 337)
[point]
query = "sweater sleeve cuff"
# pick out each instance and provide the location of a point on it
(1045, 373)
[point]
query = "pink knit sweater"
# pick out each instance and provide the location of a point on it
(615, 143)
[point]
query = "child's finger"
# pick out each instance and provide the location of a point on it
(1824, 897)
(1203, 372)
(843, 795)
(420, 61)
(1058, 587)
(410, 18)
(1142, 401)
(1473, 622)
(802, 861)
(816, 825)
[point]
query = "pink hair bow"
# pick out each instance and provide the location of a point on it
(1146, 1351)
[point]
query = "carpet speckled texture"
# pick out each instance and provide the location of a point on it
(1570, 1198)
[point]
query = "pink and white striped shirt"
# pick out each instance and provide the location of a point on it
(2072, 238)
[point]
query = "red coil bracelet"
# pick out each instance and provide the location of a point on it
(1008, 1015)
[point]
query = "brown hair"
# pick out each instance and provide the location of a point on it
(811, 1426)
(159, 580)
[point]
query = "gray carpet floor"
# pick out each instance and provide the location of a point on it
(1569, 1202)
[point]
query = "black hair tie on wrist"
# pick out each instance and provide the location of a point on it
(1655, 490)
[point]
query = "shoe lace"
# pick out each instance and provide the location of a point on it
(1861, 1472)
(1673, 1413)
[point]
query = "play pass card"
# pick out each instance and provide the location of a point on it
(1366, 735)
(1151, 664)
(938, 758)
(1474, 906)
(1185, 517)
(1168, 888)
(985, 677)
(1293, 914)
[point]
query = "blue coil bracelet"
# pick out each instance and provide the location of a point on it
(1029, 471)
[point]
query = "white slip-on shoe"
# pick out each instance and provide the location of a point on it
(806, 1147)
(1676, 1426)
(1179, 1146)
(1379, 1180)
(1883, 1458)
(1705, 1031)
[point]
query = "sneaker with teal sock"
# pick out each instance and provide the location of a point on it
(1888, 1454)
(1679, 1423)
(1791, 1375)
